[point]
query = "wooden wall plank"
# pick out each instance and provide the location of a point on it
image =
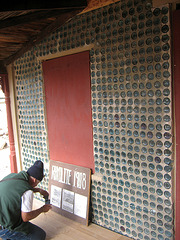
(176, 39)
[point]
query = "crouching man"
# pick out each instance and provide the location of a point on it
(16, 200)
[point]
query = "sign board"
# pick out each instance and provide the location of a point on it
(69, 188)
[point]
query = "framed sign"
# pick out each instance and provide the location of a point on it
(69, 188)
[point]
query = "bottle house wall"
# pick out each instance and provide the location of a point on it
(131, 97)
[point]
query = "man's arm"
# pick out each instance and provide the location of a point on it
(27, 216)
(41, 191)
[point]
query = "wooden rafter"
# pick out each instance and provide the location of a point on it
(158, 3)
(64, 17)
(17, 5)
(30, 17)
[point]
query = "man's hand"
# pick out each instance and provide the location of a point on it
(27, 216)
(46, 207)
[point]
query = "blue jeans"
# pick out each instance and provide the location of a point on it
(36, 233)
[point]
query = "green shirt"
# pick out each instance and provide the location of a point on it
(11, 192)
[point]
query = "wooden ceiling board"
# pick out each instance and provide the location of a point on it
(30, 25)
(24, 23)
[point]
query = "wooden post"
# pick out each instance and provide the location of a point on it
(5, 89)
(176, 62)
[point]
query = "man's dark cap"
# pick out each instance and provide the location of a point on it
(37, 170)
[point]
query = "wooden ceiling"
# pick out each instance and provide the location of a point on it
(25, 23)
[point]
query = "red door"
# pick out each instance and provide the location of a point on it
(68, 105)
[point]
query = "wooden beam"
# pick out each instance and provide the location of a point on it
(46, 32)
(2, 68)
(30, 17)
(158, 3)
(9, 5)
(13, 38)
(94, 4)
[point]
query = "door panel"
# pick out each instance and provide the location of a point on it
(68, 105)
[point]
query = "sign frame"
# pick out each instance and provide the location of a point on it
(69, 190)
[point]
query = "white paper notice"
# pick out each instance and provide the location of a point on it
(68, 201)
(80, 205)
(56, 196)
